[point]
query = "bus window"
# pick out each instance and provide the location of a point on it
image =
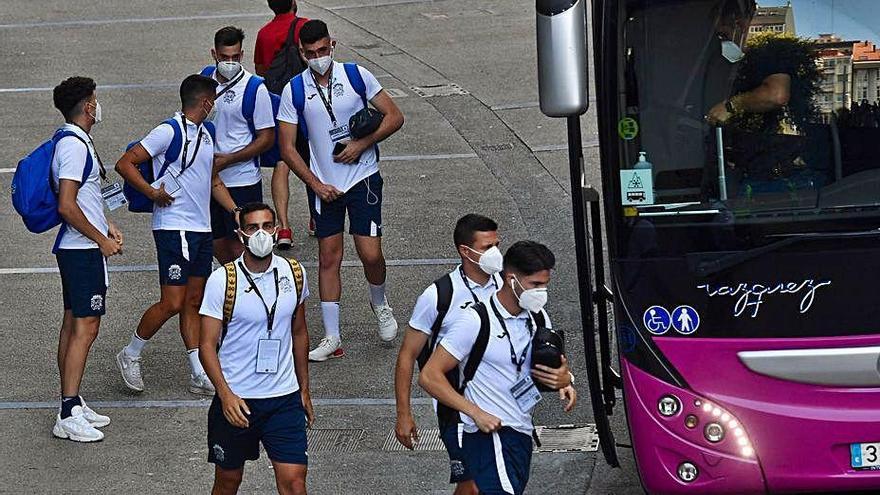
(750, 127)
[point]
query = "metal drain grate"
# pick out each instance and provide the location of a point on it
(429, 441)
(434, 90)
(335, 440)
(568, 438)
(563, 438)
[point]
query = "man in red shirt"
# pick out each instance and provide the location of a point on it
(270, 39)
(273, 35)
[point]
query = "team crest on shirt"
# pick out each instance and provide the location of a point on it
(174, 272)
(456, 468)
(97, 302)
(219, 454)
(229, 97)
(338, 90)
(284, 285)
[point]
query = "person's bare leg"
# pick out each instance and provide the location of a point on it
(290, 479)
(190, 321)
(227, 249)
(226, 481)
(170, 303)
(369, 251)
(281, 193)
(83, 334)
(64, 340)
(329, 265)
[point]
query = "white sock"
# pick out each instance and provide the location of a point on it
(330, 314)
(377, 294)
(134, 348)
(194, 363)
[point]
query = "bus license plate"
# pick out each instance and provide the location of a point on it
(865, 455)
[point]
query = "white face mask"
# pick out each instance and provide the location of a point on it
(260, 244)
(98, 115)
(321, 64)
(491, 260)
(731, 51)
(228, 69)
(531, 300)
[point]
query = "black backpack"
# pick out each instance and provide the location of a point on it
(447, 416)
(286, 62)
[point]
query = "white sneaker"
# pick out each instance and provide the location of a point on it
(94, 419)
(201, 384)
(130, 368)
(76, 427)
(387, 323)
(330, 347)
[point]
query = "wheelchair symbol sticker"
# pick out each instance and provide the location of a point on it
(657, 320)
(686, 320)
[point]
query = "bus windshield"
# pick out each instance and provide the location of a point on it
(743, 122)
(743, 181)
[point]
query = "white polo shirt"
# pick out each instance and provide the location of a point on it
(238, 350)
(191, 208)
(345, 103)
(69, 163)
(490, 387)
(233, 133)
(425, 311)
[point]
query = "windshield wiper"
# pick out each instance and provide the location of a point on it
(705, 267)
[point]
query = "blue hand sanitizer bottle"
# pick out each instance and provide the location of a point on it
(643, 163)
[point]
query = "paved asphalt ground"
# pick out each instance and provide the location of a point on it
(489, 151)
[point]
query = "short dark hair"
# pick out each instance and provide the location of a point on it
(255, 207)
(281, 6)
(313, 31)
(528, 257)
(195, 87)
(469, 225)
(228, 36)
(71, 94)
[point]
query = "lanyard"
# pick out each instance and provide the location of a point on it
(328, 100)
(231, 84)
(101, 169)
(270, 313)
(513, 359)
(468, 285)
(183, 164)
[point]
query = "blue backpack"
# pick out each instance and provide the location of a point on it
(248, 105)
(137, 202)
(298, 95)
(33, 194)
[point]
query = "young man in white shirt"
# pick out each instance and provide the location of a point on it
(474, 280)
(181, 225)
(498, 401)
(85, 241)
(342, 176)
(240, 140)
(261, 370)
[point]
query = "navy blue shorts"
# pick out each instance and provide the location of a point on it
(223, 224)
(83, 281)
(458, 470)
(499, 462)
(182, 255)
(363, 203)
(279, 423)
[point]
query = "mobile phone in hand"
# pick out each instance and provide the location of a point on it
(338, 148)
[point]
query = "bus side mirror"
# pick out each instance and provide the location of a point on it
(562, 57)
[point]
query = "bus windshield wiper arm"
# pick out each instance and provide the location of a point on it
(710, 267)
